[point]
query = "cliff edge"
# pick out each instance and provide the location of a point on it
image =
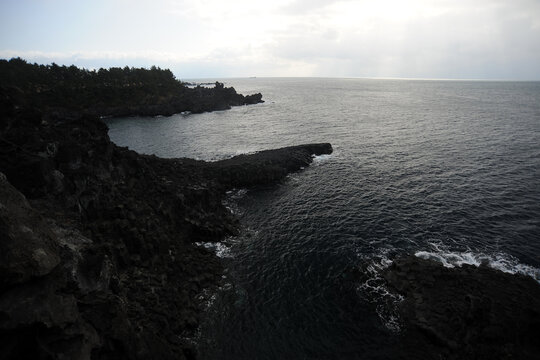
(98, 259)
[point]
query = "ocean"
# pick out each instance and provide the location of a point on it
(448, 170)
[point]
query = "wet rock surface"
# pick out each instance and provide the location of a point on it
(465, 312)
(97, 242)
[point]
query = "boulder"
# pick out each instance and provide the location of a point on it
(27, 248)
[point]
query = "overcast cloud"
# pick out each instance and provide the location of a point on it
(490, 39)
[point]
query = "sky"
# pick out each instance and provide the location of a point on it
(449, 39)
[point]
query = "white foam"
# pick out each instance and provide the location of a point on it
(222, 250)
(375, 287)
(317, 159)
(244, 152)
(500, 261)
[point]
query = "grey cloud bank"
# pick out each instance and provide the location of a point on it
(385, 38)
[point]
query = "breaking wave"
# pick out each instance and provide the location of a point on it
(499, 261)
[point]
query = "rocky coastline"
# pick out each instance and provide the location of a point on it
(465, 312)
(98, 253)
(98, 256)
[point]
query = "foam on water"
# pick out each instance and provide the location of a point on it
(317, 159)
(500, 261)
(375, 287)
(221, 249)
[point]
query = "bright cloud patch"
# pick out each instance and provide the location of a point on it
(364, 38)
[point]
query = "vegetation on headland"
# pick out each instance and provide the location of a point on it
(115, 91)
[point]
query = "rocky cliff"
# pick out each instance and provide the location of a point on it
(97, 249)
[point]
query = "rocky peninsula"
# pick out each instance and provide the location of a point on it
(98, 257)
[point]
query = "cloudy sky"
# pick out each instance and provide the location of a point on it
(456, 39)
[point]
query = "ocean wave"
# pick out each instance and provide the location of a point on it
(374, 289)
(499, 261)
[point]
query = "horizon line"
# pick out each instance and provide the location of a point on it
(365, 78)
(290, 77)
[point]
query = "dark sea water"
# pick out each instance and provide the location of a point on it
(448, 170)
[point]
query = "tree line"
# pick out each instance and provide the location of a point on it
(18, 72)
(112, 92)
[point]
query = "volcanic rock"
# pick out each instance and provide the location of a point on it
(98, 256)
(465, 312)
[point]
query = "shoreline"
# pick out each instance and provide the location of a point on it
(99, 258)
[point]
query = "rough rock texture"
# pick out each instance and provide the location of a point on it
(39, 313)
(98, 259)
(466, 312)
(28, 249)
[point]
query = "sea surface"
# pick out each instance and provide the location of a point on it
(448, 170)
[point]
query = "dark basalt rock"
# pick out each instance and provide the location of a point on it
(253, 99)
(466, 312)
(265, 166)
(28, 248)
(97, 253)
(197, 100)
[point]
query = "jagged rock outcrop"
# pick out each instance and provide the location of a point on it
(28, 249)
(466, 312)
(38, 312)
